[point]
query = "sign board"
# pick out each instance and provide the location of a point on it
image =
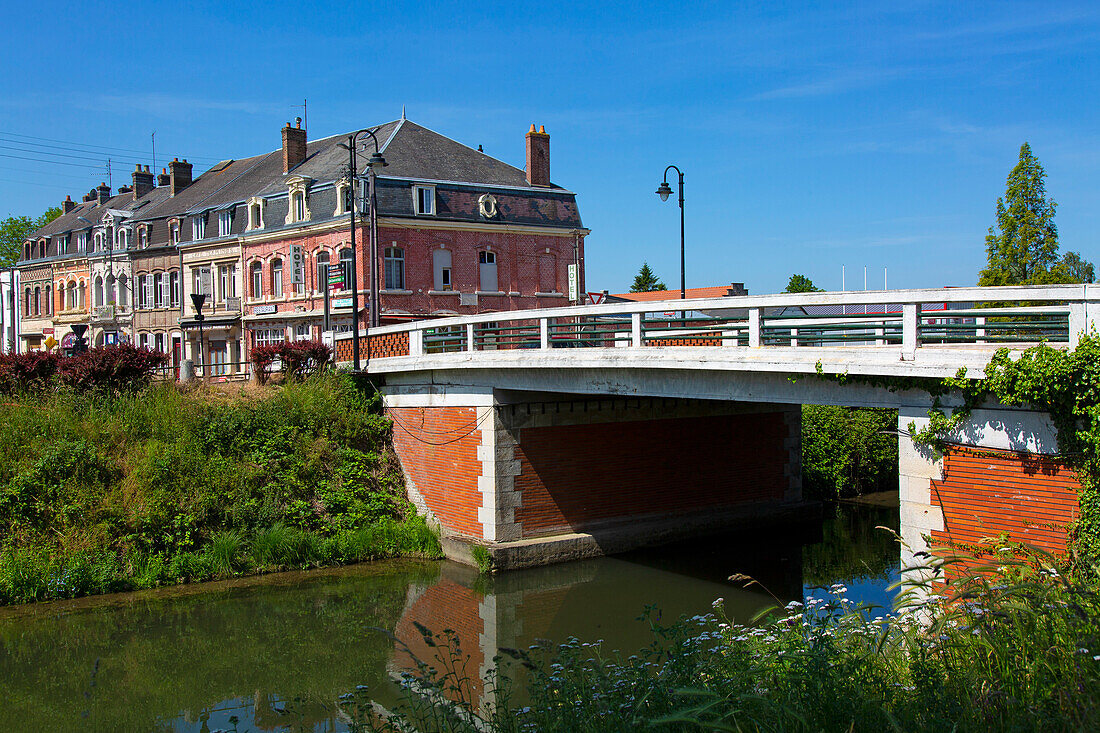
(573, 284)
(341, 303)
(47, 331)
(595, 298)
(297, 265)
(260, 310)
(336, 278)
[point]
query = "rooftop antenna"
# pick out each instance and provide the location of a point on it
(110, 182)
(154, 138)
(305, 112)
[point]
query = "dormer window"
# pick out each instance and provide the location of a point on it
(299, 206)
(82, 242)
(143, 237)
(225, 222)
(174, 233)
(344, 198)
(97, 242)
(297, 200)
(42, 247)
(424, 200)
(255, 213)
(198, 227)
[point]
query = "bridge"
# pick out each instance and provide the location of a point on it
(544, 435)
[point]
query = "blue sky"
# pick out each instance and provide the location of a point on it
(811, 137)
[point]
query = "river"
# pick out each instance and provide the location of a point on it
(277, 651)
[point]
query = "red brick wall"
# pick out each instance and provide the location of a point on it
(439, 452)
(1032, 498)
(575, 474)
(450, 605)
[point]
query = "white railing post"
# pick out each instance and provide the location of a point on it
(636, 329)
(910, 331)
(1077, 324)
(754, 326)
(416, 342)
(794, 337)
(469, 337)
(979, 331)
(880, 333)
(544, 333)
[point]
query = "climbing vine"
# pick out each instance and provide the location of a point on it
(1064, 384)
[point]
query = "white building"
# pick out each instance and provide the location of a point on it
(9, 311)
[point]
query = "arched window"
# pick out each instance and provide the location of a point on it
(60, 297)
(395, 268)
(277, 278)
(71, 288)
(29, 306)
(26, 250)
(38, 301)
(346, 263)
(299, 206)
(255, 216)
(256, 276)
(123, 298)
(81, 296)
(48, 301)
(143, 237)
(99, 300)
(322, 271)
(441, 269)
(111, 299)
(42, 248)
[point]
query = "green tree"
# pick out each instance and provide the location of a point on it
(1022, 246)
(1073, 269)
(802, 284)
(645, 281)
(15, 229)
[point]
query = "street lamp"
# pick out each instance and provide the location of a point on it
(375, 163)
(664, 191)
(198, 300)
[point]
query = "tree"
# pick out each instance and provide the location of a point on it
(1022, 246)
(802, 284)
(15, 229)
(1073, 269)
(645, 281)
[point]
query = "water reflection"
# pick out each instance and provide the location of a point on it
(278, 651)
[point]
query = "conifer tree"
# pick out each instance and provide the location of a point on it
(645, 281)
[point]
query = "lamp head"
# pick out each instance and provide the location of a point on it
(377, 161)
(664, 190)
(198, 300)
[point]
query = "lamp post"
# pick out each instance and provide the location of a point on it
(664, 191)
(198, 300)
(376, 162)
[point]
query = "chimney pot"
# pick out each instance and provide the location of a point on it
(538, 157)
(294, 146)
(163, 179)
(143, 181)
(68, 205)
(102, 193)
(179, 175)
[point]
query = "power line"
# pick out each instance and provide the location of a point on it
(56, 162)
(89, 148)
(48, 152)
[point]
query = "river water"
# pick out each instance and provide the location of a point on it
(277, 651)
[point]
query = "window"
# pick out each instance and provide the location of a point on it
(82, 242)
(122, 238)
(227, 282)
(38, 301)
(255, 215)
(62, 243)
(174, 233)
(72, 295)
(174, 287)
(344, 198)
(201, 281)
(348, 198)
(30, 302)
(158, 342)
(322, 271)
(267, 336)
(148, 291)
(123, 291)
(487, 269)
(48, 301)
(302, 332)
(395, 268)
(299, 206)
(110, 289)
(441, 269)
(158, 290)
(424, 199)
(346, 265)
(225, 223)
(97, 242)
(257, 277)
(98, 291)
(277, 278)
(143, 340)
(198, 227)
(143, 237)
(42, 248)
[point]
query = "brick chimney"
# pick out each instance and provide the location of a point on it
(67, 205)
(163, 179)
(102, 193)
(180, 175)
(90, 196)
(143, 181)
(538, 157)
(294, 145)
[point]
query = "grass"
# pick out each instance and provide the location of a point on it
(102, 492)
(1006, 642)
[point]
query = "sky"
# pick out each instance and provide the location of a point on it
(812, 136)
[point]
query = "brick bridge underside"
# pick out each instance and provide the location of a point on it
(541, 477)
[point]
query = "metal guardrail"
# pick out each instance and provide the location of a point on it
(905, 319)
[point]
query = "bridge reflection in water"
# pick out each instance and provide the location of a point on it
(277, 652)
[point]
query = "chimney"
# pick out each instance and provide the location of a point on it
(163, 179)
(102, 193)
(294, 145)
(180, 175)
(67, 205)
(143, 181)
(538, 157)
(90, 196)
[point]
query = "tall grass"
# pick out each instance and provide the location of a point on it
(1003, 643)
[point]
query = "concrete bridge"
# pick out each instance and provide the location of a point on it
(569, 432)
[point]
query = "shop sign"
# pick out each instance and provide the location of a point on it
(297, 265)
(341, 303)
(261, 310)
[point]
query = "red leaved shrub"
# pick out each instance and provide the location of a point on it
(262, 358)
(28, 371)
(121, 367)
(299, 358)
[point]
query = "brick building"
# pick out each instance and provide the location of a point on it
(459, 232)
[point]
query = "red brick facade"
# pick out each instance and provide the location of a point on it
(438, 451)
(577, 474)
(1031, 498)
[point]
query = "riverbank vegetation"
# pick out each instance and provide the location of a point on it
(110, 490)
(848, 451)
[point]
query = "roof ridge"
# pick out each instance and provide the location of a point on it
(472, 150)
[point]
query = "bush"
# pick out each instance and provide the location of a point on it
(299, 359)
(119, 367)
(27, 372)
(848, 451)
(262, 357)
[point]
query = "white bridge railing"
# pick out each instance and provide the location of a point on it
(901, 319)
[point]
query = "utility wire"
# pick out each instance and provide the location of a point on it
(56, 162)
(76, 147)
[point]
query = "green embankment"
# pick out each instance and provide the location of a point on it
(103, 493)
